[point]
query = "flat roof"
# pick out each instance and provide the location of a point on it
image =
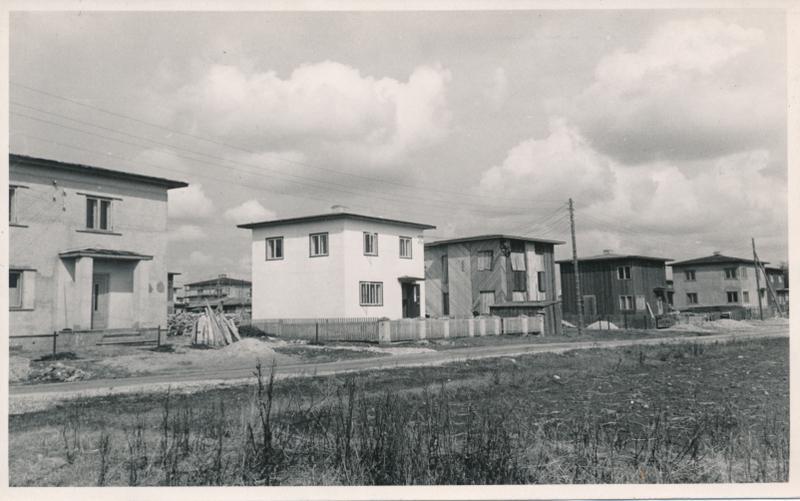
(478, 238)
(332, 216)
(98, 171)
(105, 254)
(609, 256)
(220, 281)
(714, 259)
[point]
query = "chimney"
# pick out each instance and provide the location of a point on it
(338, 209)
(606, 251)
(717, 253)
(223, 275)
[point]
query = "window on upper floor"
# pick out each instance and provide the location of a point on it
(274, 248)
(14, 289)
(12, 204)
(98, 213)
(445, 271)
(731, 273)
(318, 244)
(370, 244)
(623, 272)
(540, 281)
(690, 275)
(405, 247)
(485, 260)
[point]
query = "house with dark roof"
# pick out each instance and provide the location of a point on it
(497, 274)
(233, 294)
(337, 264)
(87, 247)
(614, 286)
(719, 282)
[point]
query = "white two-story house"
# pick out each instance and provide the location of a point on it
(337, 265)
(87, 247)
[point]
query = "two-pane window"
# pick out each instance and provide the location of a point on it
(690, 275)
(745, 297)
(626, 303)
(405, 247)
(691, 297)
(730, 273)
(98, 213)
(733, 296)
(12, 205)
(274, 248)
(445, 268)
(318, 244)
(485, 260)
(371, 293)
(15, 289)
(624, 272)
(370, 244)
(540, 281)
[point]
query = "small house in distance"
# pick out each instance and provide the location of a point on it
(336, 265)
(721, 283)
(614, 286)
(492, 274)
(87, 247)
(232, 294)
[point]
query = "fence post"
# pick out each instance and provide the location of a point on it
(471, 327)
(158, 341)
(55, 334)
(625, 319)
(524, 325)
(384, 331)
(446, 328)
(316, 332)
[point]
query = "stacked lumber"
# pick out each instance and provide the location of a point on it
(213, 328)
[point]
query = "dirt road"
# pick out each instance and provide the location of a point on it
(27, 398)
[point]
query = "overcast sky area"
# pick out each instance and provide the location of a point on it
(667, 128)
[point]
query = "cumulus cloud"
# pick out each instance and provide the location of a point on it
(326, 106)
(199, 258)
(689, 92)
(249, 211)
(190, 202)
(186, 232)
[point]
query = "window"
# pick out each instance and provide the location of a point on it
(12, 205)
(444, 268)
(540, 281)
(690, 276)
(371, 293)
(517, 261)
(520, 281)
(405, 247)
(733, 296)
(624, 272)
(744, 272)
(98, 214)
(745, 297)
(445, 304)
(730, 273)
(15, 289)
(485, 260)
(626, 303)
(691, 298)
(318, 244)
(274, 248)
(370, 244)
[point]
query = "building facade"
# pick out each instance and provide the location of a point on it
(337, 265)
(719, 282)
(616, 285)
(232, 293)
(87, 247)
(485, 274)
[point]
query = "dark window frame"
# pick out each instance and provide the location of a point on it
(374, 237)
(410, 245)
(266, 248)
(311, 244)
(378, 293)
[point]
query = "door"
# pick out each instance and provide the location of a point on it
(100, 301)
(410, 300)
(487, 300)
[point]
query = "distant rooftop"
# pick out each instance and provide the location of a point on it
(715, 258)
(332, 216)
(220, 281)
(98, 171)
(608, 255)
(478, 238)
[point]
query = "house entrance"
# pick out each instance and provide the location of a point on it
(410, 300)
(100, 300)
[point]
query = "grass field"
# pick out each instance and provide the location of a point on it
(680, 413)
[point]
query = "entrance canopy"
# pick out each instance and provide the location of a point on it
(405, 279)
(105, 254)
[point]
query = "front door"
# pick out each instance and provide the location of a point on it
(410, 300)
(100, 301)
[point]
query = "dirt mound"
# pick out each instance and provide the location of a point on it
(60, 372)
(728, 324)
(247, 347)
(604, 325)
(19, 368)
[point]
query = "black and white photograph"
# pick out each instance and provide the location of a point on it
(375, 245)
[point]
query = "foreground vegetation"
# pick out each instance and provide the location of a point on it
(679, 413)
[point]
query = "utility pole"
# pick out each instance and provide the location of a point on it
(578, 296)
(758, 279)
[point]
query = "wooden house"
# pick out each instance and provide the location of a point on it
(492, 274)
(614, 286)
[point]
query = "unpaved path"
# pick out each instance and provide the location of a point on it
(28, 398)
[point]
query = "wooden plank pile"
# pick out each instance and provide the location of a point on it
(213, 328)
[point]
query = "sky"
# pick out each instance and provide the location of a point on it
(667, 128)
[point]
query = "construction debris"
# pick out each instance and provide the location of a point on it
(181, 323)
(213, 328)
(18, 368)
(60, 373)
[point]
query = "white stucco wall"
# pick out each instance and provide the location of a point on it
(299, 286)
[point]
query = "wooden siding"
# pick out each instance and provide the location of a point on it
(459, 280)
(599, 278)
(434, 285)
